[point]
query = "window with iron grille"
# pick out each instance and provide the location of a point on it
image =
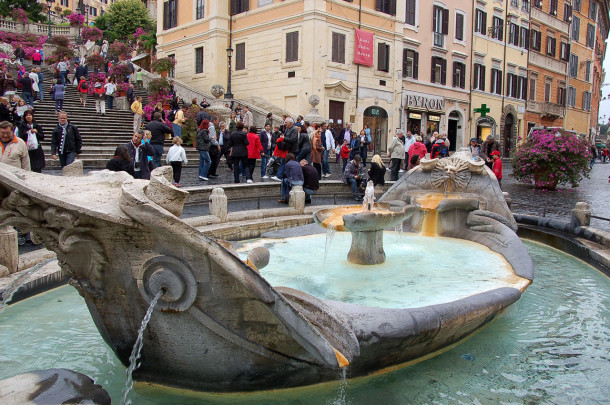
(383, 57)
(551, 44)
(478, 77)
(410, 13)
(590, 35)
(386, 6)
(200, 9)
(459, 75)
(576, 28)
(571, 96)
(573, 65)
(338, 48)
(524, 38)
(292, 46)
(439, 70)
(410, 63)
(199, 60)
(496, 81)
(170, 14)
(239, 6)
(498, 28)
(240, 56)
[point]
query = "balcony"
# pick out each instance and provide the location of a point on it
(546, 109)
(548, 63)
(549, 20)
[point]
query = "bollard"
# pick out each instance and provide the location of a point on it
(581, 215)
(218, 204)
(9, 248)
(297, 199)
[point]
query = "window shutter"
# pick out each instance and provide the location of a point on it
(378, 5)
(527, 39)
(434, 18)
(341, 43)
(538, 40)
(335, 47)
(475, 76)
(524, 95)
(514, 86)
(382, 57)
(445, 21)
(233, 7)
(459, 27)
(463, 76)
(392, 6)
(166, 15)
(433, 69)
(482, 80)
(443, 71)
(415, 64)
(499, 82)
(455, 78)
(404, 63)
(410, 17)
(484, 23)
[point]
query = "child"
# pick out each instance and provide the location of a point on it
(345, 150)
(497, 166)
(175, 157)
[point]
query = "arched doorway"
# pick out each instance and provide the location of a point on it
(377, 120)
(485, 126)
(509, 122)
(453, 125)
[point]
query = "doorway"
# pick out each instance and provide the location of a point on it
(452, 130)
(509, 123)
(377, 120)
(336, 110)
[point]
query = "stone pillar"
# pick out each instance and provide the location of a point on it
(581, 215)
(218, 204)
(297, 199)
(9, 248)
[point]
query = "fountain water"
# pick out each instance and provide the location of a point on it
(23, 277)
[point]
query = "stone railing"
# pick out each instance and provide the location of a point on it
(546, 108)
(548, 63)
(549, 20)
(38, 29)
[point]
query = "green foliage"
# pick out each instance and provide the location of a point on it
(158, 86)
(66, 12)
(123, 18)
(163, 65)
(32, 8)
(60, 40)
(189, 128)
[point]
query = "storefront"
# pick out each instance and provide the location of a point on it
(423, 112)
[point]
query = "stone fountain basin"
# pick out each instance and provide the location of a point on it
(355, 218)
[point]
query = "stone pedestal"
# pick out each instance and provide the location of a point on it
(297, 199)
(366, 248)
(218, 204)
(121, 103)
(9, 248)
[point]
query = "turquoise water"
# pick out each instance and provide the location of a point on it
(417, 271)
(551, 347)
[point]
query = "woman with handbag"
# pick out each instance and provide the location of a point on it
(32, 134)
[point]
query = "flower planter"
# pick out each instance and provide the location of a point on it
(542, 182)
(164, 73)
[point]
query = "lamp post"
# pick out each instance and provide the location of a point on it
(87, 13)
(49, 4)
(79, 40)
(228, 94)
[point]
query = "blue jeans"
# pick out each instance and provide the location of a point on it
(325, 165)
(59, 104)
(281, 169)
(64, 76)
(41, 92)
(264, 163)
(177, 130)
(287, 186)
(204, 163)
(66, 158)
(158, 153)
(28, 98)
(109, 102)
(354, 184)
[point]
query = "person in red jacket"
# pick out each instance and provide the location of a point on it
(418, 148)
(255, 151)
(83, 89)
(497, 166)
(345, 150)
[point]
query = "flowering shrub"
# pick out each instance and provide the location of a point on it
(19, 15)
(92, 34)
(119, 49)
(163, 65)
(61, 52)
(122, 87)
(120, 72)
(95, 78)
(96, 61)
(29, 42)
(551, 157)
(76, 19)
(139, 32)
(153, 100)
(59, 40)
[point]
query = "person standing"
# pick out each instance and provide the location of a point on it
(35, 88)
(40, 84)
(214, 144)
(59, 91)
(223, 141)
(248, 119)
(489, 146)
(304, 144)
(130, 94)
(265, 138)
(418, 148)
(100, 98)
(255, 151)
(14, 150)
(104, 49)
(110, 88)
(136, 108)
(497, 166)
(66, 142)
(316, 153)
(396, 154)
(365, 141)
(203, 146)
(32, 134)
(474, 149)
(27, 88)
(157, 130)
(139, 151)
(178, 122)
(176, 157)
(62, 67)
(291, 136)
(83, 88)
(328, 142)
(238, 142)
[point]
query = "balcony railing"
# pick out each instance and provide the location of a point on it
(36, 28)
(546, 109)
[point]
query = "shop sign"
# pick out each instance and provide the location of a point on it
(413, 116)
(434, 118)
(424, 101)
(363, 48)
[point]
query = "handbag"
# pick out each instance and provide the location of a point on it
(32, 142)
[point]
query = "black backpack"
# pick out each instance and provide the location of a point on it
(84, 86)
(444, 151)
(171, 116)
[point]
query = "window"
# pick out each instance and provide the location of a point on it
(292, 46)
(383, 57)
(386, 6)
(571, 96)
(511, 85)
(172, 71)
(440, 25)
(65, 3)
(170, 14)
(496, 81)
(551, 44)
(410, 16)
(532, 89)
(538, 4)
(239, 6)
(547, 91)
(525, 5)
(561, 95)
(593, 10)
(459, 26)
(524, 38)
(522, 87)
(478, 77)
(338, 48)
(498, 29)
(410, 63)
(590, 35)
(576, 28)
(240, 56)
(536, 40)
(567, 12)
(564, 51)
(513, 34)
(553, 7)
(573, 65)
(480, 21)
(586, 100)
(93, 11)
(199, 60)
(588, 71)
(439, 70)
(199, 9)
(459, 75)
(514, 3)
(577, 5)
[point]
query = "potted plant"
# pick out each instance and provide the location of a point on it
(19, 15)
(159, 86)
(76, 19)
(95, 61)
(60, 40)
(552, 157)
(91, 34)
(122, 88)
(163, 66)
(119, 49)
(120, 72)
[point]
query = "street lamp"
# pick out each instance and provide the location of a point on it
(49, 4)
(228, 94)
(79, 40)
(87, 13)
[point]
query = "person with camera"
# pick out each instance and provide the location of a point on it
(139, 151)
(353, 175)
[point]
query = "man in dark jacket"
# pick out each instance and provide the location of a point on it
(81, 71)
(138, 153)
(311, 182)
(291, 136)
(158, 129)
(66, 142)
(293, 176)
(202, 115)
(265, 137)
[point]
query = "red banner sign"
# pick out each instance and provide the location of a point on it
(363, 48)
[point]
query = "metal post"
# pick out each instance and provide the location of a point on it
(49, 3)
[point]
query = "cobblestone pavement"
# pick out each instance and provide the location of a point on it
(526, 200)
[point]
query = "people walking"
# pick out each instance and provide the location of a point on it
(157, 129)
(203, 146)
(176, 157)
(66, 142)
(139, 151)
(316, 152)
(136, 108)
(32, 134)
(59, 91)
(100, 98)
(238, 142)
(83, 89)
(255, 151)
(110, 88)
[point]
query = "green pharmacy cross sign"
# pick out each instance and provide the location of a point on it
(483, 110)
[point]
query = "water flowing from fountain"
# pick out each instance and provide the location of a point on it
(330, 235)
(137, 348)
(18, 282)
(341, 398)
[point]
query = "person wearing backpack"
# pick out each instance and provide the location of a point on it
(100, 98)
(439, 150)
(83, 88)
